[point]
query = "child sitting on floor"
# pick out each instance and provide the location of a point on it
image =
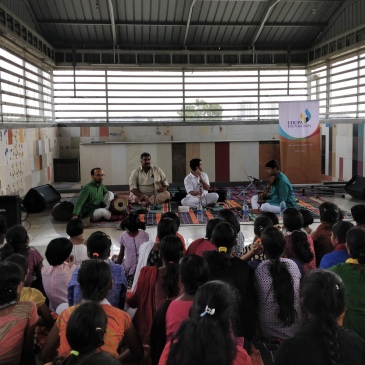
(75, 229)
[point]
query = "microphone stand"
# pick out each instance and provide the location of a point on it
(154, 206)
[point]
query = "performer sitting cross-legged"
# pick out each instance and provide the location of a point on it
(281, 190)
(197, 185)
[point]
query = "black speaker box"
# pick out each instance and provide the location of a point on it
(356, 187)
(10, 209)
(38, 198)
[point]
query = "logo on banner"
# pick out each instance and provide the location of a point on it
(296, 124)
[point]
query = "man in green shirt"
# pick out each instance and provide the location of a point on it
(94, 199)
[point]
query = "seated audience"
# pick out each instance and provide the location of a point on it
(230, 217)
(200, 245)
(206, 337)
(98, 247)
(321, 340)
(149, 251)
(307, 220)
(176, 218)
(329, 215)
(130, 241)
(274, 218)
(338, 239)
(299, 245)
(155, 285)
(17, 319)
(352, 273)
(95, 279)
(18, 242)
(277, 283)
(358, 214)
(223, 266)
(75, 229)
(98, 358)
(58, 274)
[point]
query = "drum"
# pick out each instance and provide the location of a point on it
(118, 205)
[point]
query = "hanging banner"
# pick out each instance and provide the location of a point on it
(300, 150)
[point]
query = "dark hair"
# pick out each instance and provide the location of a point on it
(98, 358)
(132, 223)
(93, 170)
(340, 230)
(58, 250)
(329, 213)
(166, 227)
(293, 222)
(274, 218)
(323, 297)
(307, 217)
(273, 242)
(3, 225)
(75, 227)
(261, 222)
(194, 163)
(85, 329)
(16, 238)
(171, 250)
(145, 154)
(230, 217)
(20, 260)
(11, 275)
(173, 216)
(95, 279)
(194, 272)
(358, 213)
(224, 235)
(355, 239)
(272, 164)
(206, 338)
(212, 223)
(98, 245)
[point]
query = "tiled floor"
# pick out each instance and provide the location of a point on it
(43, 228)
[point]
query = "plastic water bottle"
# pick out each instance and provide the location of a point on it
(245, 212)
(228, 197)
(282, 208)
(199, 211)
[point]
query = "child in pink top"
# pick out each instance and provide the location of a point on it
(130, 241)
(57, 276)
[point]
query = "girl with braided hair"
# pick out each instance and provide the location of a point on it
(206, 337)
(321, 341)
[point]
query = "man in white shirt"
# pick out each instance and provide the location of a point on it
(197, 186)
(144, 180)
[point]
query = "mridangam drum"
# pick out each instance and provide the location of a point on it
(118, 205)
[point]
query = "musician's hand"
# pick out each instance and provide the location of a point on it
(199, 193)
(143, 198)
(162, 189)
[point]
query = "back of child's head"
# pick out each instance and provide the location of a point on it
(173, 216)
(98, 245)
(86, 328)
(358, 213)
(95, 279)
(166, 227)
(132, 223)
(75, 227)
(58, 251)
(355, 240)
(329, 213)
(3, 225)
(224, 235)
(98, 358)
(273, 242)
(261, 222)
(17, 238)
(11, 275)
(194, 272)
(230, 217)
(20, 260)
(274, 218)
(340, 230)
(292, 219)
(210, 227)
(307, 217)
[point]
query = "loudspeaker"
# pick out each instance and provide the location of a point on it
(356, 187)
(37, 198)
(10, 209)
